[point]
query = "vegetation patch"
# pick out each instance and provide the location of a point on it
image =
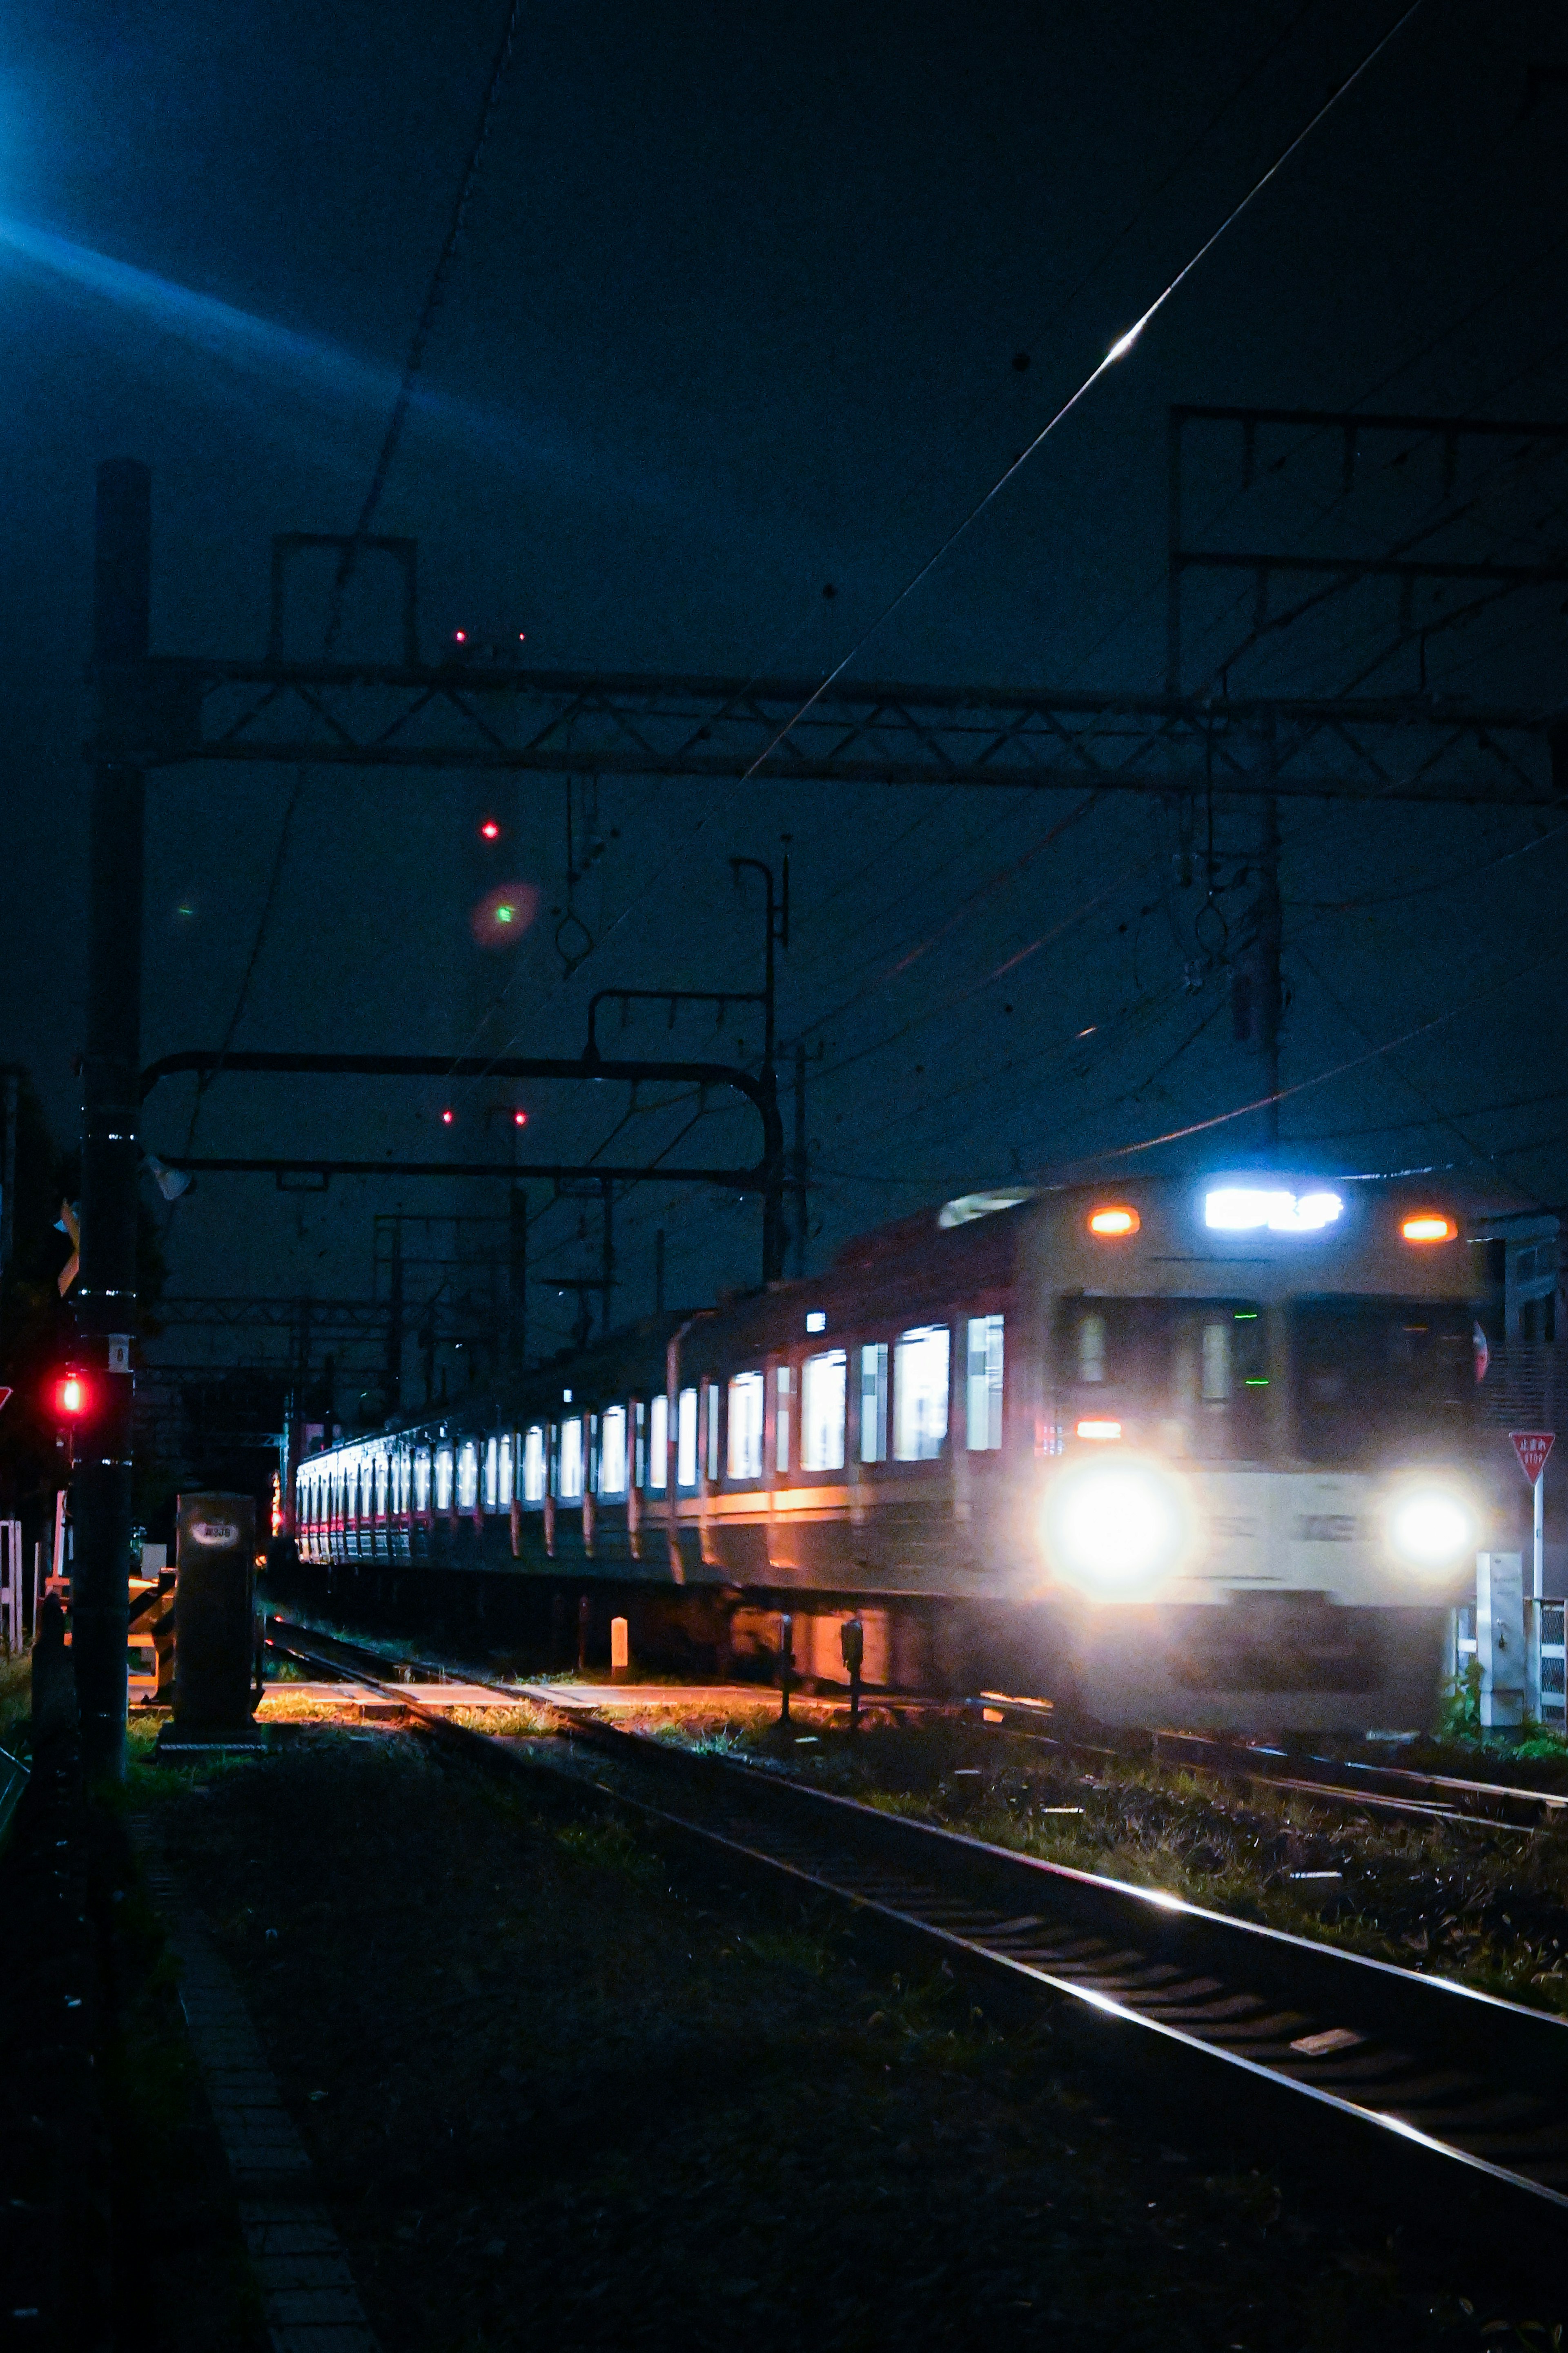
(560, 2087)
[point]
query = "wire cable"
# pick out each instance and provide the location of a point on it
(1119, 351)
(413, 361)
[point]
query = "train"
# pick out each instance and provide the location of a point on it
(1198, 1451)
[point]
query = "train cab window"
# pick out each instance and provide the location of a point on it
(920, 1393)
(506, 1461)
(613, 1451)
(422, 1479)
(443, 1478)
(874, 1401)
(1371, 1373)
(468, 1476)
(746, 1400)
(569, 1480)
(533, 1465)
(822, 1393)
(983, 1385)
(686, 1438)
(780, 1418)
(492, 1474)
(1189, 1375)
(659, 1445)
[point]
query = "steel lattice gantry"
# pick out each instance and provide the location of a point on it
(160, 711)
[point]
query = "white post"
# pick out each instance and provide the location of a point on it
(1500, 1644)
(1533, 1606)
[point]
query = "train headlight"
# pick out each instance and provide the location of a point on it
(1116, 1528)
(1432, 1527)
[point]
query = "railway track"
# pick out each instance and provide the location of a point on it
(1382, 2070)
(1338, 1784)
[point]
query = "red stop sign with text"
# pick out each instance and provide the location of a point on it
(1532, 1446)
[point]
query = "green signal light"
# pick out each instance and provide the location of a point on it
(503, 915)
(1252, 1383)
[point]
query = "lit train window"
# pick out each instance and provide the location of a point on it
(421, 1480)
(982, 1388)
(468, 1476)
(613, 1451)
(639, 1467)
(686, 1438)
(493, 1473)
(505, 1459)
(443, 1478)
(383, 1481)
(1188, 1374)
(746, 1403)
(533, 1466)
(659, 1445)
(874, 1401)
(780, 1418)
(920, 1393)
(569, 1484)
(822, 1388)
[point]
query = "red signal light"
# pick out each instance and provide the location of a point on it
(519, 1119)
(447, 1117)
(460, 636)
(489, 830)
(70, 1394)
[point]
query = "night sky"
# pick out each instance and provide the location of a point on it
(736, 317)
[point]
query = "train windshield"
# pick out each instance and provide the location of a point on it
(1372, 1375)
(1187, 1375)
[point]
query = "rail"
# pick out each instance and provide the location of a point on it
(1419, 2072)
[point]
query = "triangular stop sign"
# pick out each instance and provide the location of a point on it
(1532, 1446)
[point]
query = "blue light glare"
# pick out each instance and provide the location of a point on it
(1251, 1208)
(220, 328)
(273, 357)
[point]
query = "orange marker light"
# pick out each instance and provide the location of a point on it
(1430, 1227)
(1100, 1431)
(1108, 1222)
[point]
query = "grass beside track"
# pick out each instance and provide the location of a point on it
(1487, 1907)
(559, 2088)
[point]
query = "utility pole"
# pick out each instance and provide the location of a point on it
(607, 1254)
(798, 1183)
(517, 1281)
(8, 1173)
(777, 936)
(106, 1286)
(1256, 993)
(395, 1322)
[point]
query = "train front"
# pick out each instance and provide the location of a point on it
(1260, 1492)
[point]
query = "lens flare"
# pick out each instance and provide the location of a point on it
(1432, 1527)
(500, 917)
(1117, 1528)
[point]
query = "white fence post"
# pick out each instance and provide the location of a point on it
(11, 1585)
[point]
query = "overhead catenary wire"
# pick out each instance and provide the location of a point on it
(1085, 279)
(391, 442)
(1119, 351)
